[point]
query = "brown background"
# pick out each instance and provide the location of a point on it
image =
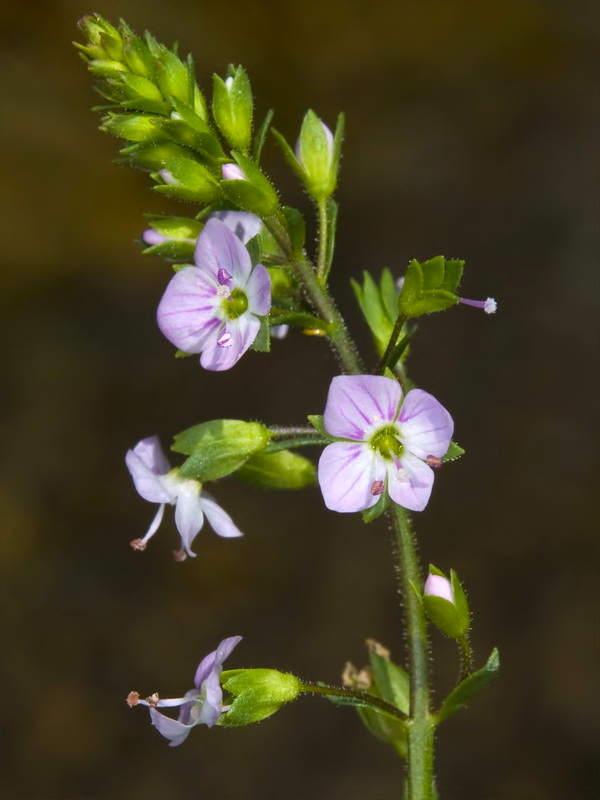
(471, 132)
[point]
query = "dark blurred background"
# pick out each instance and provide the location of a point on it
(471, 131)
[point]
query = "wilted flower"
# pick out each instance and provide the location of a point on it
(387, 443)
(213, 308)
(156, 482)
(202, 705)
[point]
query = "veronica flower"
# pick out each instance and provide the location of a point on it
(387, 443)
(156, 482)
(202, 705)
(213, 308)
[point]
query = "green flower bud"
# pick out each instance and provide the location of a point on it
(251, 190)
(446, 604)
(219, 447)
(171, 73)
(232, 107)
(257, 693)
(137, 56)
(186, 179)
(133, 127)
(280, 470)
(105, 41)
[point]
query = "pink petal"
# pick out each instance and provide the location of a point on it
(410, 485)
(146, 463)
(258, 291)
(347, 473)
(242, 223)
(188, 514)
(426, 427)
(219, 248)
(358, 403)
(243, 332)
(170, 728)
(219, 520)
(189, 311)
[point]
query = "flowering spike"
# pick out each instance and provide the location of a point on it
(489, 305)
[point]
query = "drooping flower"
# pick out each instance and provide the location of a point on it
(156, 482)
(202, 705)
(213, 308)
(387, 442)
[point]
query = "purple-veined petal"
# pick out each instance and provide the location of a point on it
(219, 520)
(219, 248)
(146, 463)
(410, 484)
(347, 473)
(213, 700)
(213, 662)
(358, 403)
(426, 427)
(258, 291)
(244, 224)
(189, 312)
(243, 331)
(188, 513)
(225, 649)
(171, 729)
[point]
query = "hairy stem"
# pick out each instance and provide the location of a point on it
(319, 299)
(421, 725)
(367, 699)
(386, 357)
(323, 234)
(466, 657)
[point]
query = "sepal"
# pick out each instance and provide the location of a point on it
(186, 179)
(445, 603)
(255, 194)
(219, 447)
(257, 694)
(430, 286)
(232, 107)
(379, 305)
(280, 470)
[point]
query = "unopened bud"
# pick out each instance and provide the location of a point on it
(446, 604)
(231, 172)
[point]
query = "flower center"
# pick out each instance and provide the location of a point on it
(235, 305)
(386, 442)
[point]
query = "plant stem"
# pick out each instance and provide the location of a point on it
(466, 657)
(400, 320)
(296, 441)
(421, 725)
(367, 699)
(319, 299)
(322, 258)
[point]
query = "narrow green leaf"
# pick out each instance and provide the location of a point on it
(471, 686)
(261, 133)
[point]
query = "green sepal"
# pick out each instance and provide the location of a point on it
(151, 157)
(469, 687)
(261, 134)
(282, 283)
(262, 343)
(430, 286)
(232, 107)
(316, 158)
(257, 693)
(296, 227)
(380, 507)
(172, 251)
(301, 319)
(453, 452)
(176, 227)
(171, 72)
(194, 181)
(283, 469)
(256, 194)
(182, 354)
(104, 39)
(316, 420)
(137, 55)
(135, 92)
(133, 127)
(219, 447)
(104, 68)
(254, 248)
(348, 702)
(289, 154)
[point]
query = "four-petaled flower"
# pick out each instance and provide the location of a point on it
(214, 307)
(387, 443)
(156, 482)
(202, 705)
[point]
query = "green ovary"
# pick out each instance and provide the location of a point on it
(235, 305)
(386, 443)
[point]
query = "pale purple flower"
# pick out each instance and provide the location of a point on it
(232, 172)
(387, 442)
(489, 305)
(202, 705)
(156, 482)
(438, 586)
(213, 308)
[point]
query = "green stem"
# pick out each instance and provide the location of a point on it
(319, 299)
(421, 725)
(294, 430)
(400, 320)
(367, 699)
(322, 259)
(466, 657)
(296, 441)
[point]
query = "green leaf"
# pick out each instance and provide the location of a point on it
(280, 470)
(296, 227)
(262, 343)
(454, 271)
(261, 133)
(453, 452)
(219, 447)
(391, 679)
(389, 294)
(471, 686)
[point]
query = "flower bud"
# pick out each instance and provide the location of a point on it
(105, 41)
(231, 172)
(186, 179)
(446, 604)
(173, 238)
(315, 153)
(232, 107)
(257, 694)
(248, 188)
